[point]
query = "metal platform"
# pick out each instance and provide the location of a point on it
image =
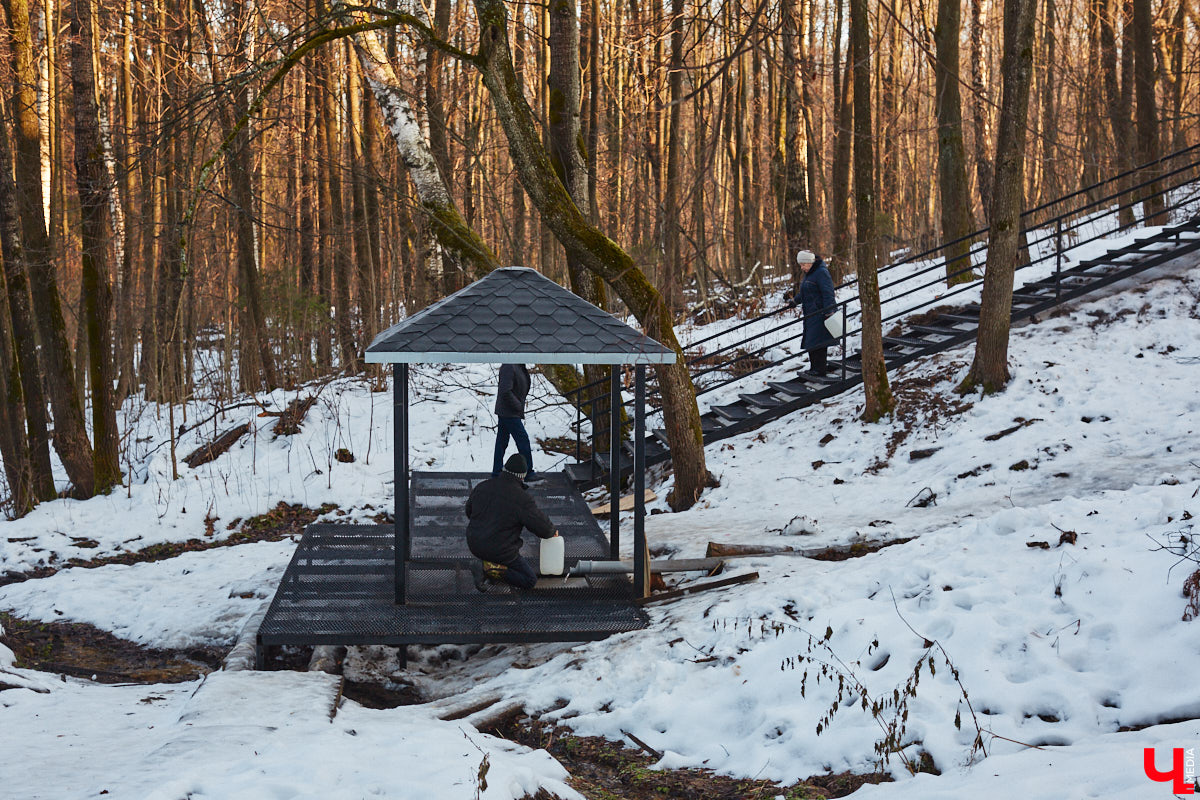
(340, 587)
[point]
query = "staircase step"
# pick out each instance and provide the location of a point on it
(660, 436)
(732, 413)
(797, 387)
(582, 471)
(937, 330)
(604, 461)
(1065, 280)
(907, 341)
(961, 318)
(710, 422)
(763, 400)
(654, 450)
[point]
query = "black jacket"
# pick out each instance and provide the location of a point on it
(497, 510)
(511, 391)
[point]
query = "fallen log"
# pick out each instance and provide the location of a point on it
(699, 587)
(210, 451)
(838, 552)
(291, 417)
(719, 550)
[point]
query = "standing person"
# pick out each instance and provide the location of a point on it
(497, 511)
(511, 391)
(817, 302)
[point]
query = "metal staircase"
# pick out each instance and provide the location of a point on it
(1076, 244)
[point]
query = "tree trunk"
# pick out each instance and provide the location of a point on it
(797, 221)
(94, 200)
(28, 377)
(126, 329)
(979, 90)
(597, 252)
(343, 330)
(671, 283)
(1051, 177)
(565, 133)
(954, 192)
(70, 434)
(879, 400)
(364, 269)
(14, 445)
(841, 259)
(1118, 105)
(989, 370)
(1153, 202)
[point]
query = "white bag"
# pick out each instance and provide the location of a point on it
(834, 326)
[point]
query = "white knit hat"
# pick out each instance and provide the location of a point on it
(805, 257)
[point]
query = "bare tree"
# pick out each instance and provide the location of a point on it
(879, 400)
(957, 220)
(58, 369)
(94, 201)
(989, 370)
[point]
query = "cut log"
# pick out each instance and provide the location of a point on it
(210, 451)
(718, 550)
(838, 552)
(699, 587)
(624, 504)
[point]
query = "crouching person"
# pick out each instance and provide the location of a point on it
(497, 511)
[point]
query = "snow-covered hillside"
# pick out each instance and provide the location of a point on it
(1058, 641)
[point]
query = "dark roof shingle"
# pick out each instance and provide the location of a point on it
(515, 315)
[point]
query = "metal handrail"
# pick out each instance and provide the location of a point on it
(1053, 229)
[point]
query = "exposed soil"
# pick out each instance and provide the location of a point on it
(83, 651)
(280, 522)
(605, 770)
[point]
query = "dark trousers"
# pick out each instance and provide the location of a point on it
(514, 427)
(519, 573)
(819, 356)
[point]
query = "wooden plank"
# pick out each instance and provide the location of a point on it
(625, 503)
(746, 577)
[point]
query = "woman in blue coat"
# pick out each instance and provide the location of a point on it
(816, 301)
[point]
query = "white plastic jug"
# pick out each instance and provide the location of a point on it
(834, 326)
(551, 556)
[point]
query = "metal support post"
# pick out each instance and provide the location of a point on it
(845, 355)
(1057, 258)
(402, 536)
(614, 468)
(640, 584)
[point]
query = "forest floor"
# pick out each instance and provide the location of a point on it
(1025, 633)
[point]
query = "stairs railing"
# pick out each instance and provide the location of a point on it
(1055, 235)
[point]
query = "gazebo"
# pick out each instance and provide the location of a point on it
(409, 583)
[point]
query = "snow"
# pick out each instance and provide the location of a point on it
(1056, 647)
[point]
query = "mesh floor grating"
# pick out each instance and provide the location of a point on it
(339, 586)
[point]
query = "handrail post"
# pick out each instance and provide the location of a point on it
(578, 425)
(614, 462)
(845, 355)
(641, 575)
(1057, 258)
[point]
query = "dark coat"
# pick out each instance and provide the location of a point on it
(816, 300)
(497, 510)
(511, 390)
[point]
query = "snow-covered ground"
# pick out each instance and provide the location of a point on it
(1055, 648)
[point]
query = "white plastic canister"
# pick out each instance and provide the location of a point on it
(551, 556)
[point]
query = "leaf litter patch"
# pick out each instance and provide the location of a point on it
(605, 770)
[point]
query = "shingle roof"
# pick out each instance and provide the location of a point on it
(515, 315)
